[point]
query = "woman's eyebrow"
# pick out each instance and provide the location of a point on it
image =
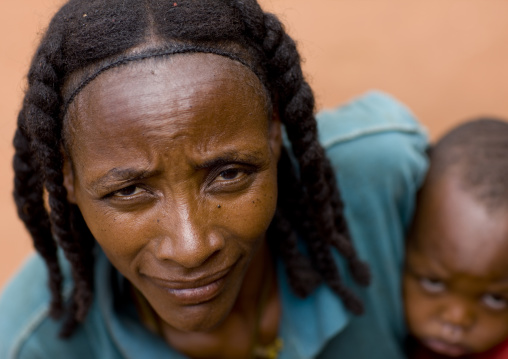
(134, 174)
(121, 175)
(231, 157)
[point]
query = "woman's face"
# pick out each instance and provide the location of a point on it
(173, 165)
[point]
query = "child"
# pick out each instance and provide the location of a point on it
(456, 272)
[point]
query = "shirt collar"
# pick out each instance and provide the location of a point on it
(308, 324)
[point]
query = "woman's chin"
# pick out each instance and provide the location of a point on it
(202, 317)
(196, 325)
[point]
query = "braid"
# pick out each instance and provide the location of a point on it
(42, 103)
(285, 227)
(28, 195)
(84, 38)
(323, 223)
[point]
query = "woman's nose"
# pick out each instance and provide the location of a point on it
(189, 238)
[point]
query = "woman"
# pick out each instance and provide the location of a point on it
(189, 226)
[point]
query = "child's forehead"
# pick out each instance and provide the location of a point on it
(454, 228)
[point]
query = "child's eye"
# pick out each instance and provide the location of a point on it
(127, 191)
(431, 285)
(494, 301)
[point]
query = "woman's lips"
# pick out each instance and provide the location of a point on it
(442, 347)
(193, 291)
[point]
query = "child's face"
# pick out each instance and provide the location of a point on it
(456, 275)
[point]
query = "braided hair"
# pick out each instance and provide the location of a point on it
(88, 37)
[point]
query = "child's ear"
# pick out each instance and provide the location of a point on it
(275, 134)
(68, 178)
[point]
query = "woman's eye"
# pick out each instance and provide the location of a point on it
(431, 285)
(494, 301)
(231, 178)
(127, 191)
(230, 174)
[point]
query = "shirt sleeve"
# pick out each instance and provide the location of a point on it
(377, 150)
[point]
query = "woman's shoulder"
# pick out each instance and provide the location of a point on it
(368, 119)
(377, 149)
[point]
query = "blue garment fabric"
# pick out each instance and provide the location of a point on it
(378, 152)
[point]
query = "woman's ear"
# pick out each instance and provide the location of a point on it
(68, 178)
(275, 134)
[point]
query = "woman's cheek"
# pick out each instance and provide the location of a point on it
(119, 234)
(253, 215)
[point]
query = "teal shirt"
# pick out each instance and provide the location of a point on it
(378, 152)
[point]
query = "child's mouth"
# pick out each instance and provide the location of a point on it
(443, 347)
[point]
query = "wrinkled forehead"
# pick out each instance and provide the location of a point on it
(196, 72)
(153, 48)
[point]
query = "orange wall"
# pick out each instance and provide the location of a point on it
(446, 59)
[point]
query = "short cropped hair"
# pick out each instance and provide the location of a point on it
(476, 153)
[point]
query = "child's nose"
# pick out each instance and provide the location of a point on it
(458, 315)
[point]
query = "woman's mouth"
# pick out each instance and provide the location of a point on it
(445, 348)
(193, 291)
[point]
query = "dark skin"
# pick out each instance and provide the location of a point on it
(456, 275)
(173, 164)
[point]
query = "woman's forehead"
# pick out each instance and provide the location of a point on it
(180, 82)
(148, 54)
(169, 96)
